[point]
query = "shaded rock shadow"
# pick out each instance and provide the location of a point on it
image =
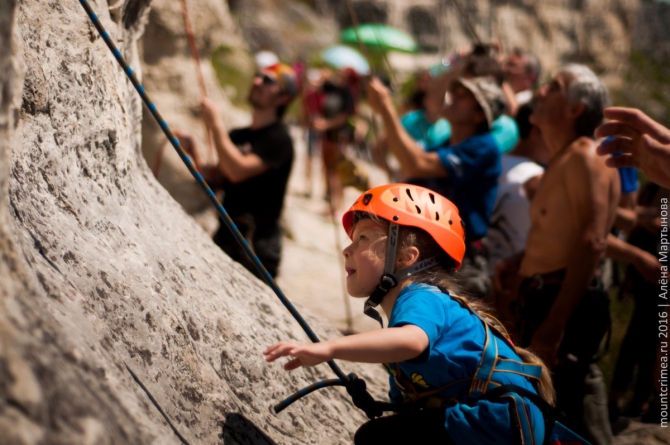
(238, 430)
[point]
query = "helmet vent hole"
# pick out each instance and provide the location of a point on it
(395, 218)
(418, 209)
(395, 200)
(409, 194)
(437, 216)
(432, 198)
(367, 198)
(450, 222)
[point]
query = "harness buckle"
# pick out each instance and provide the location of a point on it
(387, 282)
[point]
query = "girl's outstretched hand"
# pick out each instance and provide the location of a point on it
(301, 354)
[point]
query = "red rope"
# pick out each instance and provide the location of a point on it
(196, 59)
(193, 47)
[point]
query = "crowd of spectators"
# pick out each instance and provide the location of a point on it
(544, 175)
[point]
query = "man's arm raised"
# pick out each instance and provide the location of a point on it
(235, 165)
(414, 162)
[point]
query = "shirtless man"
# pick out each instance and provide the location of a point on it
(563, 309)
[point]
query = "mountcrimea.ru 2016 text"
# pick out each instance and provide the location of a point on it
(663, 310)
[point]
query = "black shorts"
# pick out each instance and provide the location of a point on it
(585, 328)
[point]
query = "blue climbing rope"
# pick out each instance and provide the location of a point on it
(203, 184)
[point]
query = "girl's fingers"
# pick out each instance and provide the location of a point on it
(276, 351)
(293, 364)
(271, 348)
(294, 350)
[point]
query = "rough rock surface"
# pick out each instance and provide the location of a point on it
(597, 32)
(291, 29)
(101, 269)
(169, 74)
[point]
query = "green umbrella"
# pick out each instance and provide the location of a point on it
(380, 37)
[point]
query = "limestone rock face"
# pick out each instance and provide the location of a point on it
(596, 32)
(101, 271)
(651, 33)
(170, 75)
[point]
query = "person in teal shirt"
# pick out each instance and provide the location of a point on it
(430, 137)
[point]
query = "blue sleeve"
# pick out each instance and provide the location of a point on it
(468, 158)
(421, 309)
(505, 133)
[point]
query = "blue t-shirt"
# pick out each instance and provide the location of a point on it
(456, 341)
(428, 136)
(473, 167)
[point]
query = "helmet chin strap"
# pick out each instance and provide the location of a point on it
(389, 280)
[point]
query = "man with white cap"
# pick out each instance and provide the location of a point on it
(465, 170)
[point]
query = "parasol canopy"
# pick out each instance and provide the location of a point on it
(380, 37)
(340, 56)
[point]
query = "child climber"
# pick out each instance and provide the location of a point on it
(442, 351)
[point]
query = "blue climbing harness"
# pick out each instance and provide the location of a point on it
(486, 385)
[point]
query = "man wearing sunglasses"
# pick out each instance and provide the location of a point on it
(254, 166)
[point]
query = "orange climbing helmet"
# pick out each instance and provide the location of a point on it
(415, 206)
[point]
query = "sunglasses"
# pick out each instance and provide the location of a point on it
(267, 80)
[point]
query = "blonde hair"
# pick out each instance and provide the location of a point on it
(441, 276)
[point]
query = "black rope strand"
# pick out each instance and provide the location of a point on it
(279, 407)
